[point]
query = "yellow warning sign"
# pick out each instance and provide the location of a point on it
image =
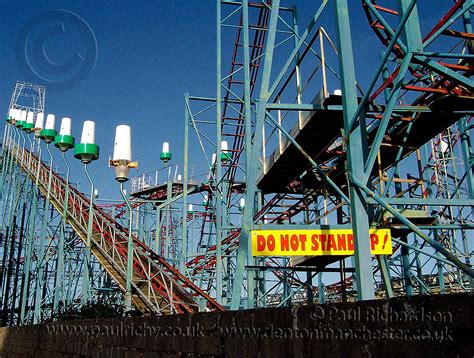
(331, 242)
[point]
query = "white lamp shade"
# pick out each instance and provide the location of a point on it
(65, 126)
(123, 143)
(88, 132)
(50, 121)
(338, 92)
(190, 207)
(12, 112)
(242, 202)
(166, 147)
(179, 177)
(224, 146)
(30, 118)
(39, 121)
(23, 116)
(214, 158)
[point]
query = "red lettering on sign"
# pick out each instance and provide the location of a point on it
(294, 242)
(350, 242)
(322, 240)
(331, 243)
(385, 239)
(341, 242)
(374, 240)
(314, 242)
(284, 242)
(271, 243)
(303, 241)
(260, 243)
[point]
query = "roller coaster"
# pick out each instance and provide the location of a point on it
(274, 149)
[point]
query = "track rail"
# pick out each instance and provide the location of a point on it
(157, 287)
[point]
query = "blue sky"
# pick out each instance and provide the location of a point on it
(149, 54)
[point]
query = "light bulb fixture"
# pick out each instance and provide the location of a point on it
(11, 115)
(22, 119)
(39, 124)
(49, 133)
(87, 151)
(225, 155)
(64, 140)
(122, 158)
(205, 200)
(190, 209)
(165, 154)
(29, 125)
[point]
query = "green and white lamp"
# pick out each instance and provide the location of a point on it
(29, 125)
(190, 209)
(11, 115)
(39, 124)
(122, 158)
(225, 155)
(165, 154)
(205, 200)
(21, 120)
(64, 140)
(87, 151)
(49, 133)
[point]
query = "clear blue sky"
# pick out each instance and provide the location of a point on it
(149, 54)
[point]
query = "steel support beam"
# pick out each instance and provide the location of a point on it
(356, 154)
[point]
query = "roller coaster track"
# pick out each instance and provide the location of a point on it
(157, 287)
(430, 92)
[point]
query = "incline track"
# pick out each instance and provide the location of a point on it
(157, 287)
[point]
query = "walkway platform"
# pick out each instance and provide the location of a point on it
(322, 127)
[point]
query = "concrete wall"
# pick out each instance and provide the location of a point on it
(421, 326)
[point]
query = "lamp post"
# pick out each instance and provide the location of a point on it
(87, 151)
(28, 127)
(12, 113)
(37, 127)
(166, 156)
(47, 134)
(122, 162)
(19, 124)
(63, 141)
